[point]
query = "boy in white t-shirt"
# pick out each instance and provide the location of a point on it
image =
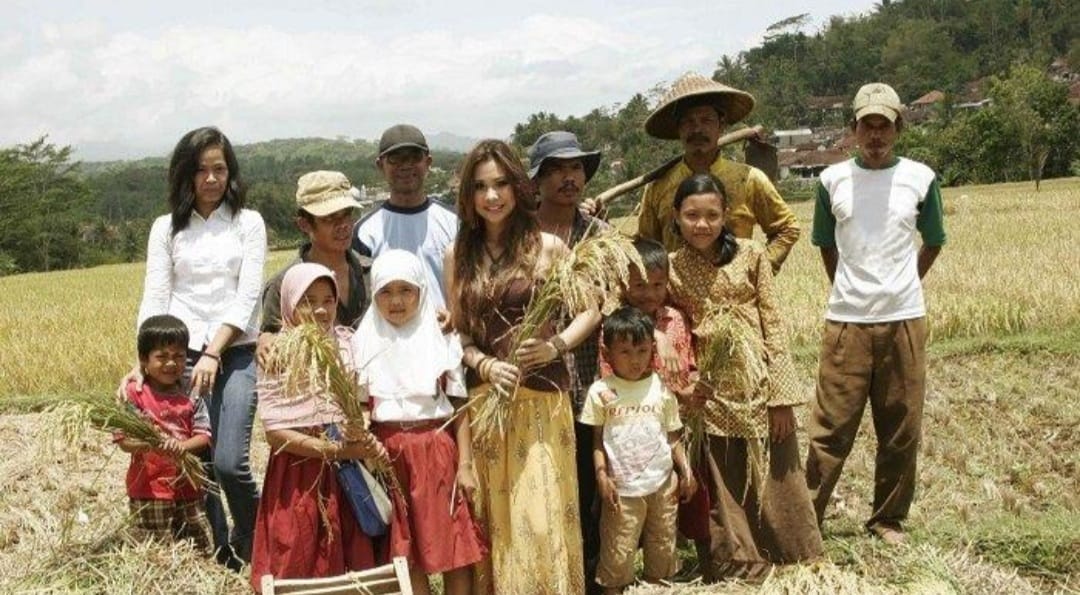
(635, 449)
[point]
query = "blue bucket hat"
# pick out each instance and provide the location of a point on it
(561, 145)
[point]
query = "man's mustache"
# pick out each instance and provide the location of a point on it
(568, 186)
(697, 137)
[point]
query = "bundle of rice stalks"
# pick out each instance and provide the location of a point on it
(731, 362)
(110, 415)
(309, 361)
(592, 275)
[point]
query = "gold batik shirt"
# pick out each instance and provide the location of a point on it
(752, 199)
(733, 310)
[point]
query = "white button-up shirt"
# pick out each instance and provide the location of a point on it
(207, 275)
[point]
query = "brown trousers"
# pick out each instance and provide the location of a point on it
(884, 363)
(749, 535)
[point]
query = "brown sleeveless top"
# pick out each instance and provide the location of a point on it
(503, 311)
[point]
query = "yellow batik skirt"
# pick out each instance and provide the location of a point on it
(528, 500)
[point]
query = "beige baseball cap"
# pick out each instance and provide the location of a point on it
(324, 192)
(877, 98)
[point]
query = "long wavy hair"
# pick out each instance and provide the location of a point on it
(473, 281)
(183, 166)
(726, 247)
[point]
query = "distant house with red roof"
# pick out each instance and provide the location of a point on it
(808, 164)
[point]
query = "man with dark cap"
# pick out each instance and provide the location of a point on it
(409, 220)
(696, 111)
(560, 169)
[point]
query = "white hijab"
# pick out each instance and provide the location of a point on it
(404, 362)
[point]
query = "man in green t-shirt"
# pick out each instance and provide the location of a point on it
(868, 211)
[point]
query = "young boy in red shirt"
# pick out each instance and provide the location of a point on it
(163, 503)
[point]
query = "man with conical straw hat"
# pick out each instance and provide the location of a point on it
(696, 111)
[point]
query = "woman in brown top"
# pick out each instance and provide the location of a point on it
(527, 499)
(761, 511)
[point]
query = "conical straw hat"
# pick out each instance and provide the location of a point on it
(663, 122)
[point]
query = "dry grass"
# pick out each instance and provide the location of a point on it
(73, 331)
(63, 520)
(1005, 269)
(1008, 267)
(997, 511)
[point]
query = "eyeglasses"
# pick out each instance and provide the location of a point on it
(404, 157)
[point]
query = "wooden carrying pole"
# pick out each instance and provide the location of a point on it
(729, 138)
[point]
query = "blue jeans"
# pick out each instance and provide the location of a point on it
(232, 412)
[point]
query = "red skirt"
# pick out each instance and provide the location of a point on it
(291, 538)
(433, 538)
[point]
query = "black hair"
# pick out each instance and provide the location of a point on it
(685, 105)
(652, 254)
(161, 331)
(708, 184)
(627, 323)
(306, 216)
(183, 166)
(898, 123)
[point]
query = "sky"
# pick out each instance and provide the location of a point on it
(127, 78)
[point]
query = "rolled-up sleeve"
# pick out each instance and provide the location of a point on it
(241, 312)
(648, 221)
(157, 284)
(776, 219)
(270, 320)
(783, 385)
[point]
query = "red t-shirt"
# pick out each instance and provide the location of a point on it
(672, 323)
(153, 475)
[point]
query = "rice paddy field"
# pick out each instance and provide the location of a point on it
(998, 507)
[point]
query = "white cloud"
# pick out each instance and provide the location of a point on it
(85, 84)
(89, 86)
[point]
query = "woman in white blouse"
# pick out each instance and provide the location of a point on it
(204, 265)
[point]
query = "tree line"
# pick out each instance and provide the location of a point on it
(57, 213)
(1002, 48)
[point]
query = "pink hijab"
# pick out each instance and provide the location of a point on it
(278, 410)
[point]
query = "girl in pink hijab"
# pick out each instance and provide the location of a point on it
(305, 526)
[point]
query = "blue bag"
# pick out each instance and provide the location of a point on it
(370, 504)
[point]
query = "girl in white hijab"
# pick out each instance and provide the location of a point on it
(410, 368)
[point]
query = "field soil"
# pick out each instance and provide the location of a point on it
(998, 508)
(998, 502)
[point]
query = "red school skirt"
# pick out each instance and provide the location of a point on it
(292, 540)
(433, 534)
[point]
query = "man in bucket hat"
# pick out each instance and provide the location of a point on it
(560, 169)
(409, 220)
(326, 208)
(874, 347)
(695, 111)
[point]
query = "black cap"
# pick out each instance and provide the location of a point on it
(400, 136)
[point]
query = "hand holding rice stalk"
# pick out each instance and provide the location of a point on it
(309, 360)
(731, 361)
(592, 275)
(109, 415)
